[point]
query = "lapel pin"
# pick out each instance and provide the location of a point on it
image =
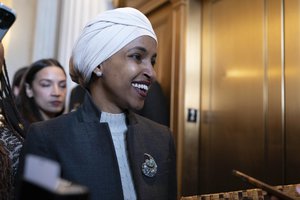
(149, 167)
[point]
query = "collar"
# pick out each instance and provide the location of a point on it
(90, 112)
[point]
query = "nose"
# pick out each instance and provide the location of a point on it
(56, 91)
(149, 72)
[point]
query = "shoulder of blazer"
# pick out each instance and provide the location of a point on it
(145, 122)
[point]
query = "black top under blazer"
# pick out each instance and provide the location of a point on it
(84, 148)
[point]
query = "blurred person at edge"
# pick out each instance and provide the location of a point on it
(17, 80)
(104, 145)
(11, 134)
(43, 92)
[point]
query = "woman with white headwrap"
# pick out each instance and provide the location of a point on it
(103, 145)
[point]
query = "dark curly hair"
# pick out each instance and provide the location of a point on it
(11, 115)
(11, 136)
(6, 182)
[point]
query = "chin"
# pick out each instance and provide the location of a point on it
(137, 107)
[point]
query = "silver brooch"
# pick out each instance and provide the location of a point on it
(149, 167)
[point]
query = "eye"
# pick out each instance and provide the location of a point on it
(136, 57)
(45, 84)
(153, 61)
(63, 85)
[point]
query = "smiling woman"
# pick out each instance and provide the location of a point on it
(43, 92)
(104, 145)
(126, 76)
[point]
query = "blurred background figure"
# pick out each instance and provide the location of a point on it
(17, 79)
(11, 134)
(76, 97)
(43, 93)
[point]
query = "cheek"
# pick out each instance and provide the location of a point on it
(40, 95)
(120, 75)
(116, 74)
(128, 72)
(121, 67)
(63, 91)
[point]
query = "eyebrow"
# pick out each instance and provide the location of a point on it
(51, 80)
(142, 49)
(139, 48)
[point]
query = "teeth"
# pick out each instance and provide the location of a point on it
(140, 86)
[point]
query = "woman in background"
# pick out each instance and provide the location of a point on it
(43, 92)
(17, 79)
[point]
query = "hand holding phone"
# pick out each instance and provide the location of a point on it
(7, 18)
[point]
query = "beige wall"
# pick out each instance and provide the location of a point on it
(19, 40)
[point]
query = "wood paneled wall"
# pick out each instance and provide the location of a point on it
(250, 93)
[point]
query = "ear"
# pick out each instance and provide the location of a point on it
(98, 70)
(28, 90)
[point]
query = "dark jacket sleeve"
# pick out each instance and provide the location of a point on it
(36, 146)
(172, 174)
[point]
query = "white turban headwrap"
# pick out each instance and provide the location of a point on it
(104, 36)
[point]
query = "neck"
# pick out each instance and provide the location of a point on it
(101, 99)
(47, 116)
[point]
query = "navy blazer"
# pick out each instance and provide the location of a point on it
(84, 148)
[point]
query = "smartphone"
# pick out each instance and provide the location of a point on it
(7, 18)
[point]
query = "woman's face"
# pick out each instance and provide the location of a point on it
(127, 76)
(49, 91)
